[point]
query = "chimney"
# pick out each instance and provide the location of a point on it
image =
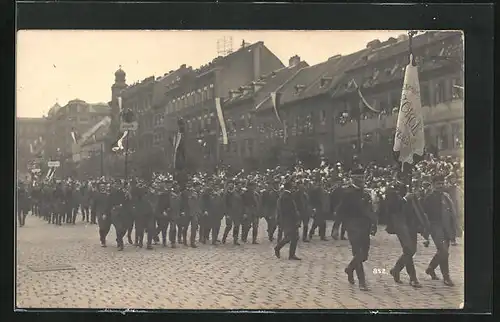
(183, 66)
(294, 61)
(374, 44)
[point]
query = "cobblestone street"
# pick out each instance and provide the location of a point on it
(216, 277)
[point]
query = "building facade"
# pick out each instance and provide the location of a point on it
(319, 104)
(30, 135)
(79, 116)
(189, 94)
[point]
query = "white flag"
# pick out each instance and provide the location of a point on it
(222, 122)
(409, 138)
(120, 102)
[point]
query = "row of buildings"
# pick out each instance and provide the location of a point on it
(318, 105)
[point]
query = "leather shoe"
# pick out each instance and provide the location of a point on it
(396, 276)
(350, 276)
(277, 252)
(432, 274)
(294, 258)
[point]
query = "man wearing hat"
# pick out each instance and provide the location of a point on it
(234, 212)
(251, 214)
(289, 221)
(442, 229)
(319, 201)
(405, 218)
(457, 196)
(355, 210)
(302, 202)
(269, 203)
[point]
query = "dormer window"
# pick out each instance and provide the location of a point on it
(325, 81)
(299, 88)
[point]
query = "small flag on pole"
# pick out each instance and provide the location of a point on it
(353, 82)
(222, 122)
(409, 140)
(179, 147)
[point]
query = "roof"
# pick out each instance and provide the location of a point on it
(270, 83)
(389, 50)
(164, 81)
(225, 60)
(371, 75)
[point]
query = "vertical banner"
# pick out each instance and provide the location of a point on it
(275, 101)
(409, 140)
(120, 102)
(222, 122)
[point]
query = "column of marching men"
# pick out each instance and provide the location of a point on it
(162, 213)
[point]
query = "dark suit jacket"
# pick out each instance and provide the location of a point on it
(288, 214)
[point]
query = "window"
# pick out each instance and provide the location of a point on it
(323, 117)
(395, 99)
(250, 147)
(457, 135)
(427, 136)
(249, 121)
(443, 138)
(234, 147)
(425, 94)
(227, 147)
(209, 93)
(439, 92)
(242, 149)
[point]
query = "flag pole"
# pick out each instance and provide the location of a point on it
(411, 33)
(126, 159)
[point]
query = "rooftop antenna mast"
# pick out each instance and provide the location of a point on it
(225, 46)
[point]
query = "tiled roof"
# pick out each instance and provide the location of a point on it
(270, 82)
(390, 50)
(331, 71)
(370, 75)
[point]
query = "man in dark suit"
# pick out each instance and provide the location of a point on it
(302, 202)
(289, 220)
(442, 228)
(406, 219)
(234, 212)
(355, 211)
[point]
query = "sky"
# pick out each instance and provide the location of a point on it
(61, 65)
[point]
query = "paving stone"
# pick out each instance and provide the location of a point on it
(217, 277)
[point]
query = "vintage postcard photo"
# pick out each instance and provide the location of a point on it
(232, 169)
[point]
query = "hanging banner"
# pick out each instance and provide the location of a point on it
(409, 140)
(222, 122)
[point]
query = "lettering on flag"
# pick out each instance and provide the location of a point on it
(409, 138)
(222, 122)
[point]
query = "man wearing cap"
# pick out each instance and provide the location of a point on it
(269, 203)
(319, 202)
(302, 202)
(289, 221)
(442, 229)
(457, 196)
(355, 210)
(251, 214)
(207, 210)
(335, 198)
(404, 217)
(234, 212)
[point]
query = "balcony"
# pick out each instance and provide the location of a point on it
(446, 111)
